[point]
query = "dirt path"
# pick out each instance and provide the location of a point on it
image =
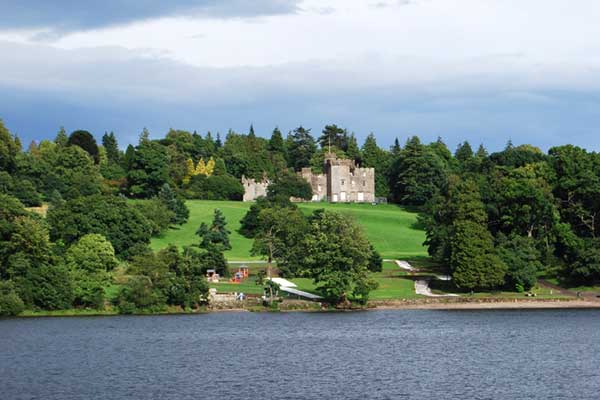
(588, 296)
(422, 288)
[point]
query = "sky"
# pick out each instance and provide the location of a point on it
(486, 71)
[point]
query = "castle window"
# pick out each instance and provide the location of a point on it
(342, 182)
(364, 183)
(352, 183)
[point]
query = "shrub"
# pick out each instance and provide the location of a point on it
(10, 302)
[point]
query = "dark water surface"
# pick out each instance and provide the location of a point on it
(545, 354)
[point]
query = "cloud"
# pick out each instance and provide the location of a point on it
(112, 88)
(60, 16)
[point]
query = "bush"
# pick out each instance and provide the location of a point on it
(139, 294)
(216, 187)
(10, 302)
(157, 213)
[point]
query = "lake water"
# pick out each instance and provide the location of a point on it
(544, 354)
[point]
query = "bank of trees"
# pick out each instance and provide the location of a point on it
(497, 221)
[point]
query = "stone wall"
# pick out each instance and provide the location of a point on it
(254, 189)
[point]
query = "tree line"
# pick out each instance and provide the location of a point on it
(498, 220)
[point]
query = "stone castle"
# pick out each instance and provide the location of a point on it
(342, 181)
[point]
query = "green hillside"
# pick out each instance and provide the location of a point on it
(388, 227)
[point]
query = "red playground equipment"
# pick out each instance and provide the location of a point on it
(242, 273)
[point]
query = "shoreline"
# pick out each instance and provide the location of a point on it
(375, 305)
(490, 305)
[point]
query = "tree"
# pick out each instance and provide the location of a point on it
(149, 169)
(216, 187)
(8, 149)
(288, 185)
(336, 255)
(92, 253)
(111, 216)
(88, 262)
(473, 261)
(335, 136)
(464, 152)
(86, 141)
(522, 260)
(375, 157)
(109, 142)
(10, 302)
(217, 234)
(174, 204)
(301, 148)
(157, 214)
(276, 144)
(576, 185)
(586, 268)
(352, 149)
(417, 174)
(279, 231)
(61, 138)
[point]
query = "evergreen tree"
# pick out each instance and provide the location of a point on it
(375, 157)
(396, 148)
(176, 205)
(352, 150)
(109, 142)
(129, 157)
(8, 150)
(218, 143)
(481, 152)
(301, 148)
(473, 261)
(417, 174)
(464, 152)
(334, 136)
(276, 144)
(215, 236)
(61, 137)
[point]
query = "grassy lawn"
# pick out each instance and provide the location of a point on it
(389, 227)
(202, 211)
(392, 284)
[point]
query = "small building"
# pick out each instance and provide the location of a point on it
(212, 276)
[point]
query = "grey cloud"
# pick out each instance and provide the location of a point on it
(117, 89)
(74, 15)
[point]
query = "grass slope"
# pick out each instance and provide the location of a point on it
(389, 227)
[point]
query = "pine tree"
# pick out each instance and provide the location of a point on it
(301, 148)
(109, 141)
(251, 132)
(396, 148)
(129, 157)
(218, 143)
(473, 261)
(352, 150)
(175, 204)
(144, 136)
(217, 235)
(481, 152)
(276, 144)
(464, 152)
(61, 138)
